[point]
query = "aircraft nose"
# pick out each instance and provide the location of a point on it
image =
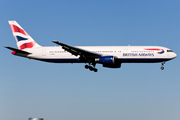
(175, 55)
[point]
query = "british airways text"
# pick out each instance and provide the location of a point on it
(138, 54)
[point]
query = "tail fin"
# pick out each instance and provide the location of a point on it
(23, 40)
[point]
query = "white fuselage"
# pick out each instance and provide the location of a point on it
(124, 54)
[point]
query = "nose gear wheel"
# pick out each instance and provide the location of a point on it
(162, 65)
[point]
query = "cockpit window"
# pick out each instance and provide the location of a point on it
(169, 51)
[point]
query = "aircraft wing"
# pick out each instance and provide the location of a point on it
(18, 51)
(77, 51)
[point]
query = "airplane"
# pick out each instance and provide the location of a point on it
(108, 56)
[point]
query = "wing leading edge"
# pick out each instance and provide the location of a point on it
(78, 51)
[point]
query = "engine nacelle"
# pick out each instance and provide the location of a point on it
(108, 61)
(105, 60)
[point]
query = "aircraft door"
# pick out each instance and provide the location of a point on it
(125, 50)
(44, 52)
(167, 53)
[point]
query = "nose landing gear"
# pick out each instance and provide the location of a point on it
(162, 65)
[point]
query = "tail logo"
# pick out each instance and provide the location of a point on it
(14, 28)
(19, 38)
(27, 45)
(23, 39)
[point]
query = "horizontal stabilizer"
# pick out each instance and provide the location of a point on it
(17, 51)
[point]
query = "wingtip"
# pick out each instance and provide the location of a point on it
(55, 41)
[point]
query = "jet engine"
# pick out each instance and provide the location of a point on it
(108, 61)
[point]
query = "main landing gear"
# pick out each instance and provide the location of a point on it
(91, 68)
(162, 65)
(91, 65)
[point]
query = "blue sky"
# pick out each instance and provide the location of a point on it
(30, 88)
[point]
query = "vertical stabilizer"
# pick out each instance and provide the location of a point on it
(23, 39)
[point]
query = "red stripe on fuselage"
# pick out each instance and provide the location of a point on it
(155, 49)
(27, 45)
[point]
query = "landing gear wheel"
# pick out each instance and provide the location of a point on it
(86, 66)
(91, 68)
(162, 68)
(95, 70)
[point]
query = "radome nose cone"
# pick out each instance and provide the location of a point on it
(175, 55)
